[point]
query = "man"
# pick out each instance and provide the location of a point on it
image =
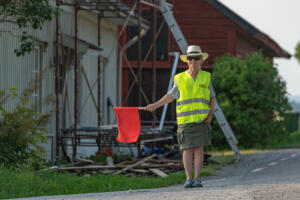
(194, 109)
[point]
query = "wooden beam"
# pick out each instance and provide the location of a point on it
(158, 172)
(135, 164)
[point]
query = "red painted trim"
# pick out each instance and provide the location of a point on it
(125, 85)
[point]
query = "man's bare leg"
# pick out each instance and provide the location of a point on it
(187, 159)
(198, 161)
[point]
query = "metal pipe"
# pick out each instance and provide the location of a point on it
(139, 51)
(140, 63)
(172, 47)
(154, 65)
(56, 87)
(99, 74)
(124, 48)
(118, 73)
(75, 84)
(163, 115)
(146, 57)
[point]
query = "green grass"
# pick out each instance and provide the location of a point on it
(26, 183)
(291, 141)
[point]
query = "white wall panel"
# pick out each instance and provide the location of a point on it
(18, 71)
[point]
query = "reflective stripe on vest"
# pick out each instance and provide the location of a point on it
(193, 103)
(193, 112)
(179, 103)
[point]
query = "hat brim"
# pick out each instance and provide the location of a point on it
(203, 55)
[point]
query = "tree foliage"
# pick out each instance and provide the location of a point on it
(297, 53)
(253, 98)
(26, 14)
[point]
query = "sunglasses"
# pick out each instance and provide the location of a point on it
(196, 58)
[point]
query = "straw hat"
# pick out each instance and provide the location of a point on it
(193, 50)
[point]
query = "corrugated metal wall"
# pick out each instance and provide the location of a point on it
(17, 72)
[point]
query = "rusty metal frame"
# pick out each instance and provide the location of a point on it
(145, 59)
(99, 74)
(95, 5)
(154, 64)
(57, 138)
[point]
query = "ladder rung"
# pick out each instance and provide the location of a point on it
(155, 4)
(151, 3)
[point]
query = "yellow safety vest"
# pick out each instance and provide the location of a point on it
(193, 103)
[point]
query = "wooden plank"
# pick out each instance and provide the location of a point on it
(158, 172)
(108, 171)
(198, 14)
(109, 161)
(123, 167)
(144, 171)
(88, 167)
(85, 160)
(166, 166)
(127, 162)
(186, 22)
(166, 161)
(135, 164)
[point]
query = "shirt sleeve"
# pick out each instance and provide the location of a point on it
(174, 92)
(212, 92)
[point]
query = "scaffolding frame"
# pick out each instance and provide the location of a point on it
(118, 7)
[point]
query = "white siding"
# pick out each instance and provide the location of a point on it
(18, 71)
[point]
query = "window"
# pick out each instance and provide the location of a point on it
(38, 76)
(161, 42)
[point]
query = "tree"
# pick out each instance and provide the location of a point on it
(252, 96)
(297, 53)
(25, 14)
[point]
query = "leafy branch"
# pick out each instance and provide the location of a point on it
(297, 53)
(26, 14)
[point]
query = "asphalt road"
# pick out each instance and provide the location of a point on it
(273, 175)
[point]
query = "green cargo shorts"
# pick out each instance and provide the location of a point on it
(194, 135)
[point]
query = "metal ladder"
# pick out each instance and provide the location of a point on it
(182, 43)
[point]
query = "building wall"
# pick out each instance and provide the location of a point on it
(203, 25)
(244, 47)
(19, 71)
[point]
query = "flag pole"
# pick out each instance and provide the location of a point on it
(139, 108)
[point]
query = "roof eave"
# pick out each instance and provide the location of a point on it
(253, 31)
(267, 41)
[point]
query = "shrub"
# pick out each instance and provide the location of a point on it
(21, 131)
(253, 98)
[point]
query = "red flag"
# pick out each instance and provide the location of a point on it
(129, 124)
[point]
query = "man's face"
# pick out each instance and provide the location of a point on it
(194, 61)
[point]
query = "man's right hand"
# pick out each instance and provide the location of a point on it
(150, 107)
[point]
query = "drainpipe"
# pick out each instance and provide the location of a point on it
(124, 48)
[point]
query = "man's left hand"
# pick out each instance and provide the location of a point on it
(208, 119)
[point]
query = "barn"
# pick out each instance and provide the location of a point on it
(208, 23)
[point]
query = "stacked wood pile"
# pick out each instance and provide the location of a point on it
(151, 165)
